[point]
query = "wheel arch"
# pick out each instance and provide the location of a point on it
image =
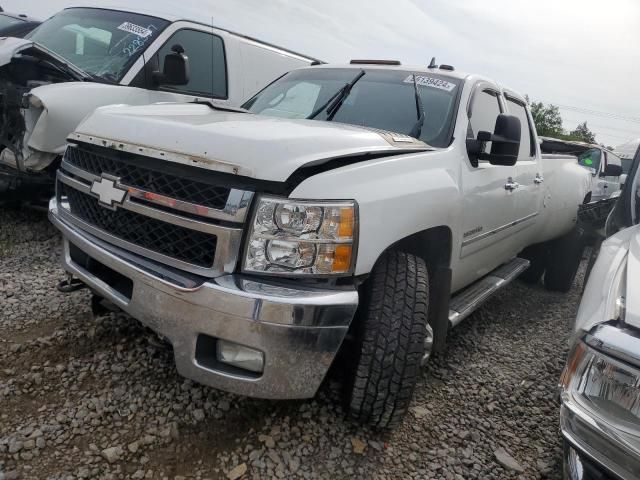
(435, 246)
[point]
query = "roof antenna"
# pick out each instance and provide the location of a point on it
(433, 63)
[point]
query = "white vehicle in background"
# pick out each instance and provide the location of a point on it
(351, 214)
(605, 166)
(600, 385)
(84, 58)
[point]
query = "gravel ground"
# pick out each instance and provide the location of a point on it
(85, 397)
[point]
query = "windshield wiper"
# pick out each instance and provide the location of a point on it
(416, 131)
(335, 102)
(221, 108)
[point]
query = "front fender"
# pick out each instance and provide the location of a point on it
(65, 105)
(397, 197)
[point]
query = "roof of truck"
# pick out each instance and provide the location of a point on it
(172, 17)
(412, 68)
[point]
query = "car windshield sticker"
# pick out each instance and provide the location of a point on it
(588, 162)
(431, 82)
(135, 29)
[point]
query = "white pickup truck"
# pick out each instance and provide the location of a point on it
(349, 213)
(84, 58)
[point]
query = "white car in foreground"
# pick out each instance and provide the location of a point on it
(600, 386)
(350, 214)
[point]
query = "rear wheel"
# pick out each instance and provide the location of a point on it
(392, 341)
(538, 256)
(564, 260)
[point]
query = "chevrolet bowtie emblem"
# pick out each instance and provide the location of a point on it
(108, 193)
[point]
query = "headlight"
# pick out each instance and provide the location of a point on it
(608, 389)
(302, 237)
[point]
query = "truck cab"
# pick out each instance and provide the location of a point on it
(84, 58)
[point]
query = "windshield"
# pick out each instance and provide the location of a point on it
(381, 99)
(103, 43)
(590, 159)
(8, 21)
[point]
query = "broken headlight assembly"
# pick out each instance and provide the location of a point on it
(299, 237)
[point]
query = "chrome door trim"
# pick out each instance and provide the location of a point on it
(498, 230)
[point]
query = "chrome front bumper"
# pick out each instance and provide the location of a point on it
(298, 329)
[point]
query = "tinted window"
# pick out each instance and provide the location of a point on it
(104, 43)
(381, 99)
(208, 70)
(626, 165)
(484, 113)
(526, 137)
(591, 158)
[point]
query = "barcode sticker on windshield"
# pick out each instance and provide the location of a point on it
(431, 82)
(135, 29)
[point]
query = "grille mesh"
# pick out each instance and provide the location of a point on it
(181, 243)
(154, 181)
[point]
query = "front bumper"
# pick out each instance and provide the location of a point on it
(298, 329)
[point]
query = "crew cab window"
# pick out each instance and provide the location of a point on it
(591, 159)
(207, 65)
(483, 115)
(526, 136)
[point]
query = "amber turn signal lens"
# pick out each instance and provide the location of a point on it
(342, 258)
(346, 223)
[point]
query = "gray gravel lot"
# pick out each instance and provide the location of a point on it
(84, 397)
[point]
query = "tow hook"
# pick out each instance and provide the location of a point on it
(71, 285)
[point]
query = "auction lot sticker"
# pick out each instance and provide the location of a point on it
(135, 29)
(431, 82)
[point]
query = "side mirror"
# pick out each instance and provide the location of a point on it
(175, 70)
(612, 170)
(505, 142)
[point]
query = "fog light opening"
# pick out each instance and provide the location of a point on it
(240, 356)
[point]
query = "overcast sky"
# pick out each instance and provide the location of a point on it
(576, 53)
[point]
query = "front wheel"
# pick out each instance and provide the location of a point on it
(392, 339)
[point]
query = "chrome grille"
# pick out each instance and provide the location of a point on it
(186, 245)
(153, 224)
(148, 179)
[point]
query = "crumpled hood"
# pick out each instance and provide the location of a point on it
(257, 146)
(10, 47)
(632, 298)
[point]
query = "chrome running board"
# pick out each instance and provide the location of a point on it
(471, 298)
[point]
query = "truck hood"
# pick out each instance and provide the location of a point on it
(262, 147)
(11, 47)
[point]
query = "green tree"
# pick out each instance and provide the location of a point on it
(547, 119)
(583, 134)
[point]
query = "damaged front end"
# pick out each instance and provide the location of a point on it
(24, 66)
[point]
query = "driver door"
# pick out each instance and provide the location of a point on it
(489, 205)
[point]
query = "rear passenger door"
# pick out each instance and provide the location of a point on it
(529, 194)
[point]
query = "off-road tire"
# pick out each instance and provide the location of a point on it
(564, 260)
(390, 341)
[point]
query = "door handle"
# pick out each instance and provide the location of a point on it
(511, 185)
(539, 179)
